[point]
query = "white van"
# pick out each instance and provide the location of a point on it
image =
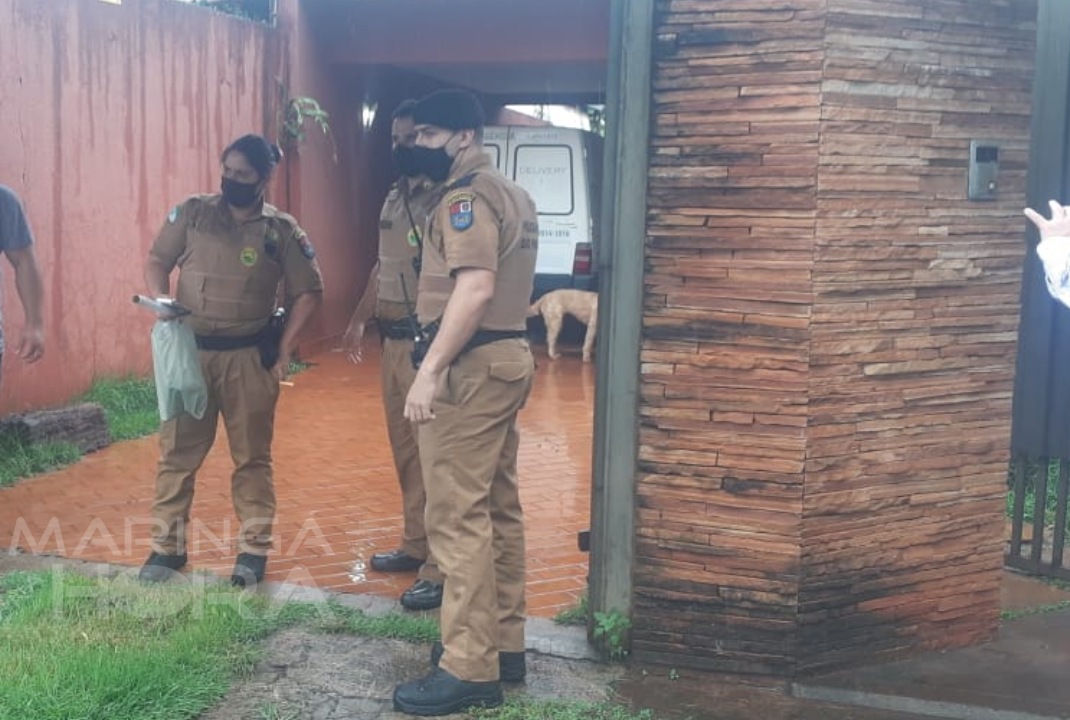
(561, 168)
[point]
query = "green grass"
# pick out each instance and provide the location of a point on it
(130, 403)
(129, 406)
(525, 709)
(131, 412)
(75, 647)
(20, 460)
(130, 409)
(1038, 610)
(114, 649)
(341, 619)
(1033, 470)
(574, 615)
(273, 711)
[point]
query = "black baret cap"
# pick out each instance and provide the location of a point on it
(450, 109)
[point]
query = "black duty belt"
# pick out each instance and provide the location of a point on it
(225, 342)
(395, 329)
(485, 337)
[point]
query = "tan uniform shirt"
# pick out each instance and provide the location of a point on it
(399, 245)
(229, 273)
(484, 221)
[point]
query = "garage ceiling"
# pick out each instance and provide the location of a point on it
(520, 51)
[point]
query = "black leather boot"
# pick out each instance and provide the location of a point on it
(395, 561)
(160, 568)
(248, 570)
(423, 595)
(441, 694)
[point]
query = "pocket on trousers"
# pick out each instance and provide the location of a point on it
(515, 375)
(510, 371)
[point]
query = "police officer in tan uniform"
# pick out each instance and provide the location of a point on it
(390, 297)
(232, 250)
(475, 288)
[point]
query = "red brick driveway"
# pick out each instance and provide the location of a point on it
(338, 500)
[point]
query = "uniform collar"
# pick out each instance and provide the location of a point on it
(265, 210)
(411, 187)
(473, 159)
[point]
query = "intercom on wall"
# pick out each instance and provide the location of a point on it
(984, 168)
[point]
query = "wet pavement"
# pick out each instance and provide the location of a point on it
(1022, 675)
(338, 499)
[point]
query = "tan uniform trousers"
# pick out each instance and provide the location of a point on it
(474, 520)
(246, 394)
(397, 375)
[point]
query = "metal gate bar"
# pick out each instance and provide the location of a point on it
(1047, 547)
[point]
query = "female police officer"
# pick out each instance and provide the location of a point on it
(232, 250)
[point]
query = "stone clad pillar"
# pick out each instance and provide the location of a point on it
(829, 329)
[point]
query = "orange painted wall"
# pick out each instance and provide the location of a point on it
(110, 114)
(323, 180)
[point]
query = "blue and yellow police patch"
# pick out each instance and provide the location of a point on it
(306, 246)
(461, 215)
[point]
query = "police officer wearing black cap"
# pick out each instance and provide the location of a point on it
(475, 289)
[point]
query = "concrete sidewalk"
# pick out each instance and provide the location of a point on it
(1022, 675)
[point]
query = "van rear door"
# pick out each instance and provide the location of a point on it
(549, 163)
(495, 143)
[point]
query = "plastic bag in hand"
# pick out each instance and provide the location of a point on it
(1054, 253)
(180, 385)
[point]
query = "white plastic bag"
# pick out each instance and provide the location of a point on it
(1054, 254)
(180, 385)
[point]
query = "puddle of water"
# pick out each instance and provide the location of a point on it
(358, 571)
(686, 695)
(362, 549)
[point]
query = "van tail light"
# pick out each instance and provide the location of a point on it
(581, 265)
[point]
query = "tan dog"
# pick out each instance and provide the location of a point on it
(553, 306)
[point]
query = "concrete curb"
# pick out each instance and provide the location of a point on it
(543, 636)
(914, 706)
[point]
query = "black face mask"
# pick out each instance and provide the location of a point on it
(239, 194)
(435, 163)
(405, 161)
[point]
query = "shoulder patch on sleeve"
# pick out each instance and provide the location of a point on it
(459, 203)
(461, 182)
(306, 246)
(172, 216)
